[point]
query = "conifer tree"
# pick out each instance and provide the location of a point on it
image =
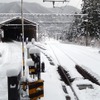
(91, 22)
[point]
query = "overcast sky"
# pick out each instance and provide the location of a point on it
(76, 3)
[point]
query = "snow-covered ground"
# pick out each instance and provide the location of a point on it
(67, 55)
(10, 58)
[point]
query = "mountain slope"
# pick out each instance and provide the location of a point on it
(15, 7)
(10, 7)
(35, 8)
(65, 9)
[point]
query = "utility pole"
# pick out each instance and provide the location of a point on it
(23, 55)
(87, 34)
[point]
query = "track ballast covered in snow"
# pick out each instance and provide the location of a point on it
(68, 55)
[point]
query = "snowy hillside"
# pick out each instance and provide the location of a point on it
(14, 7)
(67, 55)
(65, 9)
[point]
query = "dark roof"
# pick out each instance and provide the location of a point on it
(17, 21)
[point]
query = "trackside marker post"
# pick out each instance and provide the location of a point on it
(13, 78)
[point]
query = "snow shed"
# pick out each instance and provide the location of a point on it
(13, 29)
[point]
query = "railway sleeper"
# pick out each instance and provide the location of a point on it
(65, 77)
(64, 89)
(86, 74)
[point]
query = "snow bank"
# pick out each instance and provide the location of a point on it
(14, 71)
(34, 50)
(40, 45)
(30, 62)
(91, 73)
(29, 45)
(91, 92)
(81, 81)
(27, 79)
(2, 49)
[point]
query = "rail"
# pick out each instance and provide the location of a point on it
(64, 74)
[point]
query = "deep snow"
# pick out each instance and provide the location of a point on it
(67, 54)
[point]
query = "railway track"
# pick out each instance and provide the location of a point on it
(65, 76)
(79, 52)
(83, 71)
(83, 51)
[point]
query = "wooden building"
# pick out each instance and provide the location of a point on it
(13, 29)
